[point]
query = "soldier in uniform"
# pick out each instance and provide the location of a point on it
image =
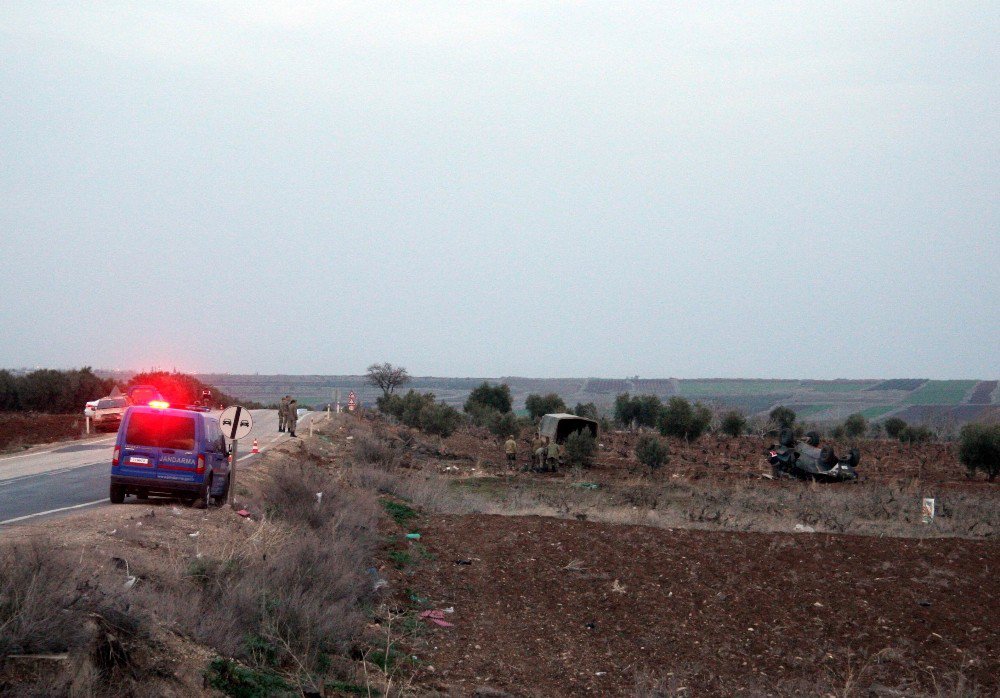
(292, 416)
(553, 455)
(282, 411)
(536, 444)
(510, 448)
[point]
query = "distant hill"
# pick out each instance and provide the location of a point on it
(938, 403)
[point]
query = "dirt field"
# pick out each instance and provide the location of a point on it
(576, 601)
(544, 607)
(19, 430)
(718, 457)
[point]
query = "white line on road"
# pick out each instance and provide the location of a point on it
(53, 511)
(57, 448)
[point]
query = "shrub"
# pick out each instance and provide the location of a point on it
(37, 585)
(588, 410)
(292, 606)
(838, 432)
(855, 425)
(783, 416)
(652, 451)
(494, 396)
(382, 453)
(894, 427)
(239, 681)
(980, 449)
(441, 419)
(505, 425)
(580, 448)
(915, 435)
(421, 411)
(538, 405)
(679, 419)
(641, 410)
(733, 423)
(290, 494)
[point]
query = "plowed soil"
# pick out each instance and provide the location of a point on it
(22, 429)
(883, 461)
(547, 607)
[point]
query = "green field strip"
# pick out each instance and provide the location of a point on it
(940, 393)
(838, 386)
(720, 388)
(876, 412)
(808, 410)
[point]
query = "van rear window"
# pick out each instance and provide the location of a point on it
(160, 431)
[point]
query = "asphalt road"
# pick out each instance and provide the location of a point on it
(71, 476)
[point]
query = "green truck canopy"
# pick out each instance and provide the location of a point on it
(559, 426)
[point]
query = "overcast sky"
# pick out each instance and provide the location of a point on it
(740, 189)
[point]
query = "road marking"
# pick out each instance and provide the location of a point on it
(53, 511)
(42, 453)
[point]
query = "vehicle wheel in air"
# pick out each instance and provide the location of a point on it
(787, 438)
(117, 494)
(206, 493)
(826, 456)
(855, 458)
(812, 438)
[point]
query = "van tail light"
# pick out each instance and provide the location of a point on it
(114, 458)
(201, 464)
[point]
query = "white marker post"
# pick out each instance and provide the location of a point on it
(236, 423)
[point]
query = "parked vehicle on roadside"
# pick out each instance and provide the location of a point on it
(108, 413)
(162, 450)
(142, 394)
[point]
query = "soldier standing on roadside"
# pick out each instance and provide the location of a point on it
(282, 412)
(292, 416)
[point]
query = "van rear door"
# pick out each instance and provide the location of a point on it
(160, 445)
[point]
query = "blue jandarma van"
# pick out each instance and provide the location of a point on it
(164, 450)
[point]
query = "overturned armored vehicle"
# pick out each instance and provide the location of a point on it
(806, 460)
(557, 427)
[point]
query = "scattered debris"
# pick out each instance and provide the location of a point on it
(436, 617)
(244, 513)
(802, 528)
(463, 562)
(413, 536)
(617, 588)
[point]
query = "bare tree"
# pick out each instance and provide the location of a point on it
(387, 377)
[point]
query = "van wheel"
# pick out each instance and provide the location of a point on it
(117, 494)
(206, 493)
(224, 497)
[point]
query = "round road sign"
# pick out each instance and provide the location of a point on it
(236, 422)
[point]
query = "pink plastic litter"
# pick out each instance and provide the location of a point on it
(436, 617)
(243, 512)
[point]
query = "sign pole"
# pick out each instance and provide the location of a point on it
(232, 473)
(236, 423)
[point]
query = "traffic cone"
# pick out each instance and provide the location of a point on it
(255, 449)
